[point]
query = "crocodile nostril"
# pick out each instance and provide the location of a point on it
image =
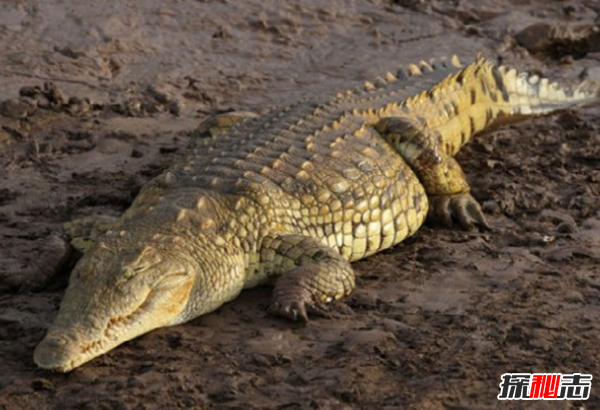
(54, 353)
(56, 341)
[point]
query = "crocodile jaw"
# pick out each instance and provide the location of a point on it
(82, 331)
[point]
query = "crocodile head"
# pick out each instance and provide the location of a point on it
(128, 284)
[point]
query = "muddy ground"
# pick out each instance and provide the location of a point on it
(100, 97)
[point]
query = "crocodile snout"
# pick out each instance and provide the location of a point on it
(55, 353)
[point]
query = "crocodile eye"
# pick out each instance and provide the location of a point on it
(130, 272)
(127, 274)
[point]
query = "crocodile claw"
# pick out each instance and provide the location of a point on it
(296, 304)
(462, 209)
(292, 310)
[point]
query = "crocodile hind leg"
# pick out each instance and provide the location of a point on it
(444, 181)
(308, 272)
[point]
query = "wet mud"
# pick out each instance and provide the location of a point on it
(97, 98)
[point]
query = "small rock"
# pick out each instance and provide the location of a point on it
(42, 384)
(29, 91)
(54, 254)
(69, 52)
(4, 136)
(535, 38)
(159, 94)
(175, 107)
(111, 146)
(54, 94)
(167, 150)
(79, 106)
(591, 73)
(135, 382)
(564, 42)
(17, 108)
(574, 297)
(135, 153)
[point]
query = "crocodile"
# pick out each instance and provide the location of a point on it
(290, 199)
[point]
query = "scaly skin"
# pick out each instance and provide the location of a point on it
(291, 199)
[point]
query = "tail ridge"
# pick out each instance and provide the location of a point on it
(483, 94)
(529, 94)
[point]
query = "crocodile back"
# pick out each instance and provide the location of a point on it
(317, 168)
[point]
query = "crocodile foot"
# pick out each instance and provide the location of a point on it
(297, 310)
(83, 232)
(294, 301)
(462, 209)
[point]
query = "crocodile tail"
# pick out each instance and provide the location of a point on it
(529, 94)
(483, 94)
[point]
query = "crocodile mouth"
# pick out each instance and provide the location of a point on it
(65, 348)
(60, 351)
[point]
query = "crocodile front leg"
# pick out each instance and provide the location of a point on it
(444, 181)
(83, 232)
(311, 274)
